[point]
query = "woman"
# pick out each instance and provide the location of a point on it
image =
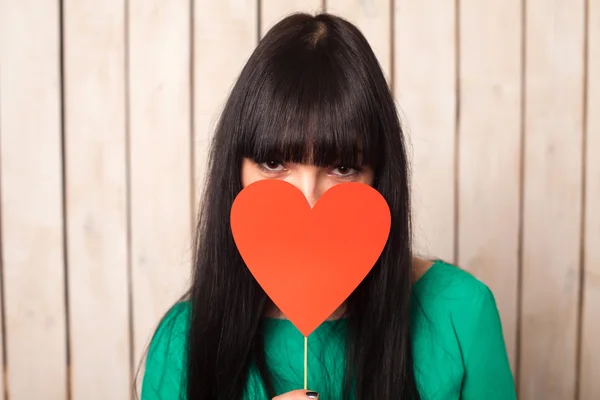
(312, 107)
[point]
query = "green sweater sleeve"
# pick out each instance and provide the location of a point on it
(164, 375)
(487, 370)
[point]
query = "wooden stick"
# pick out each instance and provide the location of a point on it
(305, 363)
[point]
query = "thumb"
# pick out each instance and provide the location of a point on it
(298, 395)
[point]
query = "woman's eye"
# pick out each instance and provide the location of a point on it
(272, 166)
(344, 171)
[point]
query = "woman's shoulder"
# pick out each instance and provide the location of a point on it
(174, 324)
(443, 280)
(446, 291)
(166, 357)
(171, 334)
(455, 305)
(457, 333)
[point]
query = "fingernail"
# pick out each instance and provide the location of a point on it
(312, 395)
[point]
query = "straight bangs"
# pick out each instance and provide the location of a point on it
(311, 108)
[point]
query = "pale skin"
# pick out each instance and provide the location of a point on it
(313, 181)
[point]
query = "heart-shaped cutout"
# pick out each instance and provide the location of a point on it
(309, 261)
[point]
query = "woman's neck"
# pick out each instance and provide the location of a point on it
(272, 311)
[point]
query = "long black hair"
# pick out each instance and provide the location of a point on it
(313, 92)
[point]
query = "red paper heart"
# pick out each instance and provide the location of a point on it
(309, 261)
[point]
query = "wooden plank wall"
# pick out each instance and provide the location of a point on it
(589, 346)
(95, 156)
(160, 153)
(425, 85)
(106, 115)
(489, 137)
(552, 196)
(33, 204)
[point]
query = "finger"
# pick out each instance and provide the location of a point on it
(298, 395)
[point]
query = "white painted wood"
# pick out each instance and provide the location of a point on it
(552, 198)
(160, 151)
(272, 11)
(96, 177)
(590, 346)
(489, 152)
(225, 34)
(425, 87)
(373, 18)
(32, 201)
(2, 372)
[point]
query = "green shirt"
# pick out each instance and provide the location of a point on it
(458, 347)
